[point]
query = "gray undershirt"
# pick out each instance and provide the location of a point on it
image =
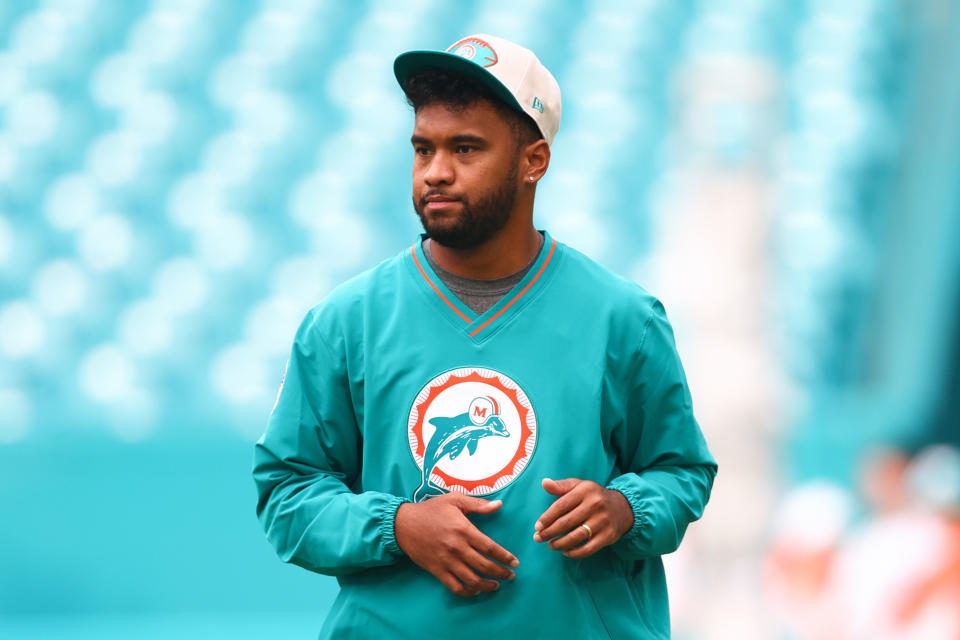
(477, 293)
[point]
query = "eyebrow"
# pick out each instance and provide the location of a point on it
(456, 139)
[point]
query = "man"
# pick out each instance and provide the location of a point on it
(488, 433)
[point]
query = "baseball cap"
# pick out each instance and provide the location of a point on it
(512, 72)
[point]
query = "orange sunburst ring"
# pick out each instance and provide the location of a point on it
(498, 459)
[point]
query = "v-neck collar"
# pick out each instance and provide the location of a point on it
(479, 326)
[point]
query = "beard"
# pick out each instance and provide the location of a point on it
(478, 221)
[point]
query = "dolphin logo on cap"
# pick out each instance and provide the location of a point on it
(475, 50)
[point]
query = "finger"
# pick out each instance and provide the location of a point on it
(564, 523)
(560, 487)
(450, 582)
(591, 547)
(482, 543)
(559, 508)
(472, 504)
(471, 580)
(576, 536)
(486, 566)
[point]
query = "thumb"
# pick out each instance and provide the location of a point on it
(560, 487)
(472, 504)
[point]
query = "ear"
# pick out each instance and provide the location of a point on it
(535, 158)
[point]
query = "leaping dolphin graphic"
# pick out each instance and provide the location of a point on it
(452, 436)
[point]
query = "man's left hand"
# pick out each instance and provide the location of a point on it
(606, 512)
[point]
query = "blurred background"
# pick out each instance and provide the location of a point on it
(180, 180)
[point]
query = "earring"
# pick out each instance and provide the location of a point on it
(530, 178)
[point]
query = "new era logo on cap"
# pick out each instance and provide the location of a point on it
(513, 73)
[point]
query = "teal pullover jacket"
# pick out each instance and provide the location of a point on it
(397, 391)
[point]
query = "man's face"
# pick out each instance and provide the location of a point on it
(464, 173)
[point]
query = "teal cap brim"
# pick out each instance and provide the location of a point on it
(412, 62)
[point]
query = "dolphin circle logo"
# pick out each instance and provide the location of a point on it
(471, 430)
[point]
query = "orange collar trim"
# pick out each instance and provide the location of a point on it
(553, 244)
(413, 252)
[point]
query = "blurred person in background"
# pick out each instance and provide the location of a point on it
(930, 606)
(893, 576)
(890, 548)
(896, 575)
(808, 532)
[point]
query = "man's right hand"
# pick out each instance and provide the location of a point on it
(438, 536)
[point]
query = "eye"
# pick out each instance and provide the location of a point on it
(421, 151)
(465, 148)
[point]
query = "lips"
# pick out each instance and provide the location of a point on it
(438, 200)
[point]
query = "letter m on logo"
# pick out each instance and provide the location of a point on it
(480, 412)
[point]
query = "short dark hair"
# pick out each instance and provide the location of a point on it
(457, 91)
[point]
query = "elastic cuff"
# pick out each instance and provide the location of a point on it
(633, 497)
(387, 519)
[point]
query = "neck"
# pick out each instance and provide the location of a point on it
(508, 251)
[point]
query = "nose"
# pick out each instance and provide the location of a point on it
(439, 170)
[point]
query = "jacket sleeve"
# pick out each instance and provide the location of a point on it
(306, 462)
(668, 470)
